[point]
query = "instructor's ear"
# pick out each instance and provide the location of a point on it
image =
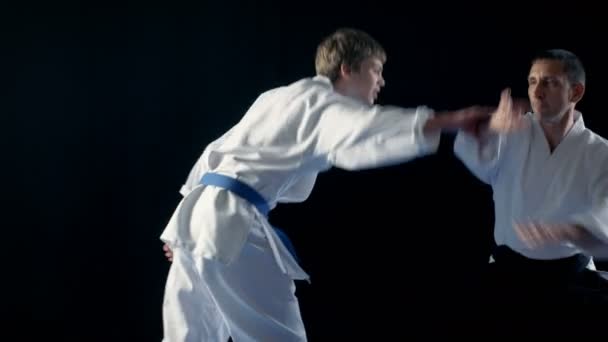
(577, 90)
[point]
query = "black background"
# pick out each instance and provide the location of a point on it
(105, 108)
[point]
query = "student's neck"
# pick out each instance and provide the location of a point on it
(342, 88)
(555, 131)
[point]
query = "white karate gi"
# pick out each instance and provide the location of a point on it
(529, 182)
(231, 275)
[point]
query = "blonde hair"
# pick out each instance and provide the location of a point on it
(349, 46)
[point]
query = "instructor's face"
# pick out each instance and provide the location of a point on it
(368, 80)
(549, 89)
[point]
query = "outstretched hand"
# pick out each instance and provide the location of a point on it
(508, 117)
(538, 235)
(168, 252)
(461, 119)
(505, 118)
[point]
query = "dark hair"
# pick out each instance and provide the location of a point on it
(571, 64)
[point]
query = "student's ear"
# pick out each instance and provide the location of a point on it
(345, 71)
(576, 92)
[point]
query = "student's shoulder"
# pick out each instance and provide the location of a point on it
(317, 83)
(301, 87)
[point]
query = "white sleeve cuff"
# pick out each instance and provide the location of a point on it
(429, 143)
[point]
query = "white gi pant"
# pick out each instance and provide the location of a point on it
(250, 300)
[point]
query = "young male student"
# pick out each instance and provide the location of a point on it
(231, 272)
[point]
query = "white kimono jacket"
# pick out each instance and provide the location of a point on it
(529, 182)
(285, 139)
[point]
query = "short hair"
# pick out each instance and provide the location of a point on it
(572, 65)
(349, 46)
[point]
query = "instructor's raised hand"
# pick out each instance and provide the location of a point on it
(508, 117)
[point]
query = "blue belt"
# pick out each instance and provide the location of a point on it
(248, 193)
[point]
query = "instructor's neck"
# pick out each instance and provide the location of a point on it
(555, 131)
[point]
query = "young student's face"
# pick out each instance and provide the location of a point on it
(366, 82)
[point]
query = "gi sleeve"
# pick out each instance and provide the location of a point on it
(595, 219)
(353, 136)
(481, 155)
